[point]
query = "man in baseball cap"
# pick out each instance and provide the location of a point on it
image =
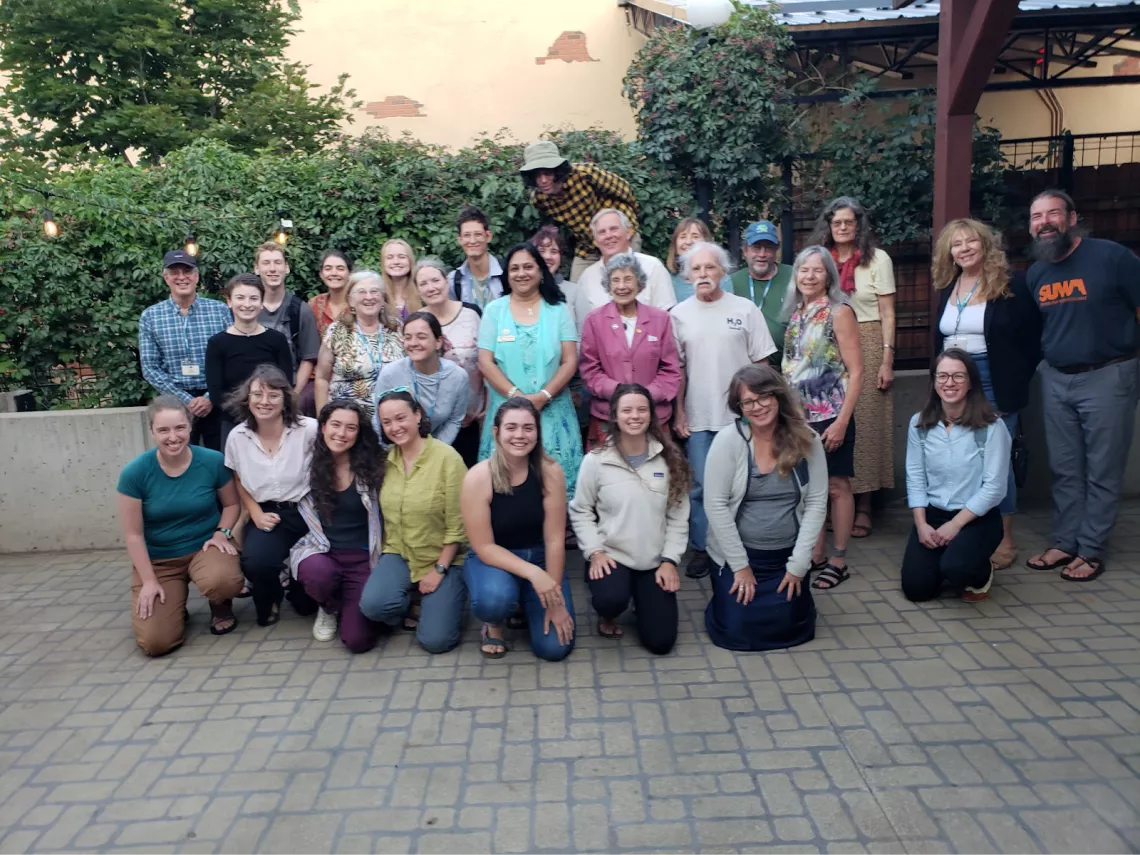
(763, 280)
(571, 194)
(172, 344)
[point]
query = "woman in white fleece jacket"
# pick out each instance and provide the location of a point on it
(766, 498)
(631, 515)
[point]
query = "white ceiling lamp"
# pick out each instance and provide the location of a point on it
(703, 14)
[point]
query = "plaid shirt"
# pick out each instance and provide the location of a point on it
(587, 190)
(168, 338)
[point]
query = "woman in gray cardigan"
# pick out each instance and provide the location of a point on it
(766, 498)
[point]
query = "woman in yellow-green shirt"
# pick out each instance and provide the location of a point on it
(423, 530)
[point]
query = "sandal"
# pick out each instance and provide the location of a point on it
(615, 633)
(245, 592)
(1096, 564)
(486, 640)
(273, 616)
(1003, 558)
(860, 530)
(1037, 562)
(221, 615)
(517, 620)
(411, 620)
(830, 577)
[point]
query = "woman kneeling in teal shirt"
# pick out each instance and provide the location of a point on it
(168, 502)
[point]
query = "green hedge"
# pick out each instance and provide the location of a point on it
(76, 299)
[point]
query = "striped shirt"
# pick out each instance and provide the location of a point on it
(172, 345)
(587, 190)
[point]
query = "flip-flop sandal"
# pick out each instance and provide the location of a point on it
(614, 633)
(1095, 563)
(831, 577)
(216, 619)
(487, 641)
(1050, 565)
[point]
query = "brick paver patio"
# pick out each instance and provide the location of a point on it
(1011, 726)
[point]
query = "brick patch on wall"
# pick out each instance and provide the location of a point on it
(394, 107)
(568, 47)
(1129, 65)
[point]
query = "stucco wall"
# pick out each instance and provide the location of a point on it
(448, 70)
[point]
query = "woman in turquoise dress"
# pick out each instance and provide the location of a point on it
(528, 348)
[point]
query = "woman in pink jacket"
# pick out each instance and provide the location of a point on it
(626, 341)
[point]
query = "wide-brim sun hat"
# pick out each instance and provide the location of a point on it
(541, 155)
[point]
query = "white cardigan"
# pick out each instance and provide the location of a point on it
(726, 482)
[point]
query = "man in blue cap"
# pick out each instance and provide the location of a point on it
(764, 281)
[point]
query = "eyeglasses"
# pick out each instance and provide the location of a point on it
(957, 377)
(271, 397)
(751, 403)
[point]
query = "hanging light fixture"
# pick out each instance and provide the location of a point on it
(51, 228)
(283, 229)
(191, 246)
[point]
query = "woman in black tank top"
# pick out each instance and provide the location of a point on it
(514, 509)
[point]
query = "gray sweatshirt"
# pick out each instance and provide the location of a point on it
(443, 396)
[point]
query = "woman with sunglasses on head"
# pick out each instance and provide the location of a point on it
(957, 462)
(514, 509)
(269, 452)
(342, 510)
(417, 581)
(439, 385)
(631, 515)
(766, 491)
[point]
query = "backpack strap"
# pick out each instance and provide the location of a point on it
(293, 318)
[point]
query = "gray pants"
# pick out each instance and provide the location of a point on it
(1088, 429)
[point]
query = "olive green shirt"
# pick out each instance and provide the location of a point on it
(769, 299)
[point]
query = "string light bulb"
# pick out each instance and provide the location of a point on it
(191, 245)
(283, 229)
(51, 228)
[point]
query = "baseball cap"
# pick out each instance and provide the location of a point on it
(763, 230)
(179, 256)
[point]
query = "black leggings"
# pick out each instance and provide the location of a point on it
(964, 562)
(263, 556)
(656, 609)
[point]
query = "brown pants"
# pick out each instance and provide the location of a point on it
(218, 577)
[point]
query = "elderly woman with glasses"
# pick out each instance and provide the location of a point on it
(627, 341)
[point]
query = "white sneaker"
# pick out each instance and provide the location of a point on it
(324, 627)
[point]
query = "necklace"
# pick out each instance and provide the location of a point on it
(529, 307)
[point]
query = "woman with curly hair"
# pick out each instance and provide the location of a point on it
(766, 497)
(867, 279)
(342, 510)
(990, 314)
(689, 231)
(631, 515)
(269, 453)
(365, 339)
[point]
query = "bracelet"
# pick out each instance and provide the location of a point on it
(547, 394)
(511, 391)
(227, 532)
(888, 347)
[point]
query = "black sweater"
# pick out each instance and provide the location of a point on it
(230, 359)
(1013, 342)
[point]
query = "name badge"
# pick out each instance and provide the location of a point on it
(651, 338)
(954, 341)
(658, 474)
(190, 369)
(506, 337)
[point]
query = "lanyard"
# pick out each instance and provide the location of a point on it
(962, 304)
(752, 292)
(373, 353)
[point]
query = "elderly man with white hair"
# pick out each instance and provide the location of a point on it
(717, 334)
(613, 234)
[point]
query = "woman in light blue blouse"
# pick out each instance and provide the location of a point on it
(528, 348)
(957, 457)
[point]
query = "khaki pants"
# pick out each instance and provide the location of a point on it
(217, 576)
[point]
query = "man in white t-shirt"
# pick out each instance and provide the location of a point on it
(612, 236)
(717, 334)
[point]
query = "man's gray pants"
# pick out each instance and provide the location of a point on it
(1088, 430)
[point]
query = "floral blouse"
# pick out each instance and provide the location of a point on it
(812, 362)
(357, 359)
(462, 335)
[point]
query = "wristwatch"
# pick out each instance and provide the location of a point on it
(441, 569)
(228, 532)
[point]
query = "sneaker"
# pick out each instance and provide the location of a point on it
(699, 565)
(324, 627)
(976, 595)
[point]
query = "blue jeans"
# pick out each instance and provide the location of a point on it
(387, 597)
(1009, 503)
(698, 450)
(495, 594)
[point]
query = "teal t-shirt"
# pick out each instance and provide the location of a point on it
(771, 305)
(179, 514)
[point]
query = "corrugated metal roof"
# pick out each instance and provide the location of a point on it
(799, 13)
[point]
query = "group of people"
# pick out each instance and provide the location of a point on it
(417, 437)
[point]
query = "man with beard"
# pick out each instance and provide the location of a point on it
(764, 281)
(1088, 293)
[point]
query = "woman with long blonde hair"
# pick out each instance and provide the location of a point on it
(359, 344)
(988, 312)
(397, 261)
